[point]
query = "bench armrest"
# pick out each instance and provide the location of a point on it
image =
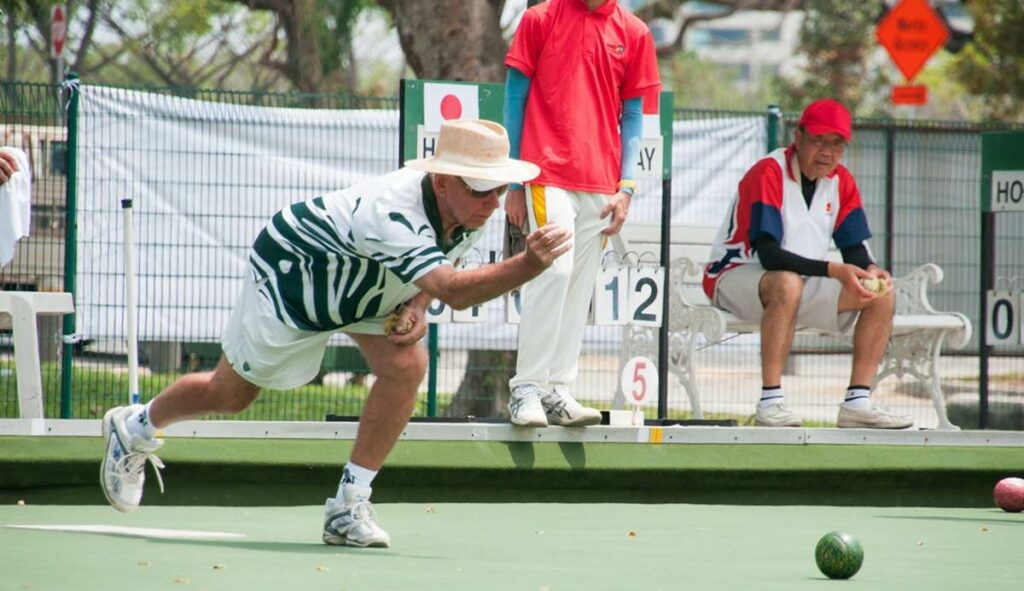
(911, 293)
(688, 315)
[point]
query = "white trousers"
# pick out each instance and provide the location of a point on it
(555, 304)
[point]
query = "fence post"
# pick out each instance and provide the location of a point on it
(70, 243)
(988, 281)
(773, 118)
(890, 195)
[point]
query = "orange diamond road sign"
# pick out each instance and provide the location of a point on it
(911, 33)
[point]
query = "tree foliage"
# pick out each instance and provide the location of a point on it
(699, 84)
(992, 65)
(836, 38)
(671, 10)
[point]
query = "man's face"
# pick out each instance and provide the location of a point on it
(818, 154)
(469, 208)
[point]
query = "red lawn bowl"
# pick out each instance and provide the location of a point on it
(1009, 495)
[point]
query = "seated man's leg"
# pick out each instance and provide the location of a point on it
(349, 519)
(870, 339)
(780, 293)
(871, 335)
(772, 299)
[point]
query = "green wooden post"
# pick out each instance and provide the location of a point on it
(774, 117)
(70, 248)
(1002, 176)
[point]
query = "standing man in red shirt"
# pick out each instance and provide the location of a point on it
(577, 72)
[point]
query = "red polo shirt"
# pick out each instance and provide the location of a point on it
(582, 64)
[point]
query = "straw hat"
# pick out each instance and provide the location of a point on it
(477, 151)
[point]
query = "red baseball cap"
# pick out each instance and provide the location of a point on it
(826, 116)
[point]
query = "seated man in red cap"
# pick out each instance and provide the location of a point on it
(769, 265)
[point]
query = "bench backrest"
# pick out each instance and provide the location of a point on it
(692, 242)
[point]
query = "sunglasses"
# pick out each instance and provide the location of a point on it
(483, 194)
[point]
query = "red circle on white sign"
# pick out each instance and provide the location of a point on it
(451, 107)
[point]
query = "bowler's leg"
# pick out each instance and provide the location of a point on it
(399, 370)
(130, 431)
(221, 391)
(348, 517)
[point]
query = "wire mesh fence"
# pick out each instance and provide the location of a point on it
(32, 120)
(207, 168)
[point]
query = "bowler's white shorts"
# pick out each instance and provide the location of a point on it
(270, 354)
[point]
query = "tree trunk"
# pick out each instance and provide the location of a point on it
(484, 388)
(303, 65)
(12, 45)
(466, 45)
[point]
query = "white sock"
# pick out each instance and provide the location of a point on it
(771, 395)
(139, 425)
(857, 397)
(356, 475)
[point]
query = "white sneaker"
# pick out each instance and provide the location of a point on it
(524, 407)
(123, 471)
(776, 414)
(562, 409)
(351, 520)
(874, 417)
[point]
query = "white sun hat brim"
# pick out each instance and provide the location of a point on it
(476, 150)
(480, 178)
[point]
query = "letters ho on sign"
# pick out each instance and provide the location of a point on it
(1008, 190)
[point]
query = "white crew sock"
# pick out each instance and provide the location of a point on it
(139, 424)
(857, 397)
(771, 395)
(356, 475)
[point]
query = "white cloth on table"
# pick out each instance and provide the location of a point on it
(15, 206)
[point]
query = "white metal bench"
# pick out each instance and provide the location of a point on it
(25, 307)
(919, 331)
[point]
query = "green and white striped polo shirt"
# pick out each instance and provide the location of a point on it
(353, 255)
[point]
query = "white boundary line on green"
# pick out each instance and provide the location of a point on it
(136, 532)
(505, 432)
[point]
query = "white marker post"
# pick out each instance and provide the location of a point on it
(130, 312)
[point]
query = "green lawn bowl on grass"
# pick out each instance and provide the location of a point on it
(838, 555)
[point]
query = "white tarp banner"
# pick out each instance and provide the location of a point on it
(205, 177)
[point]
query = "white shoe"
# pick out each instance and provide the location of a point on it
(351, 520)
(776, 414)
(562, 409)
(524, 407)
(123, 471)
(874, 417)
